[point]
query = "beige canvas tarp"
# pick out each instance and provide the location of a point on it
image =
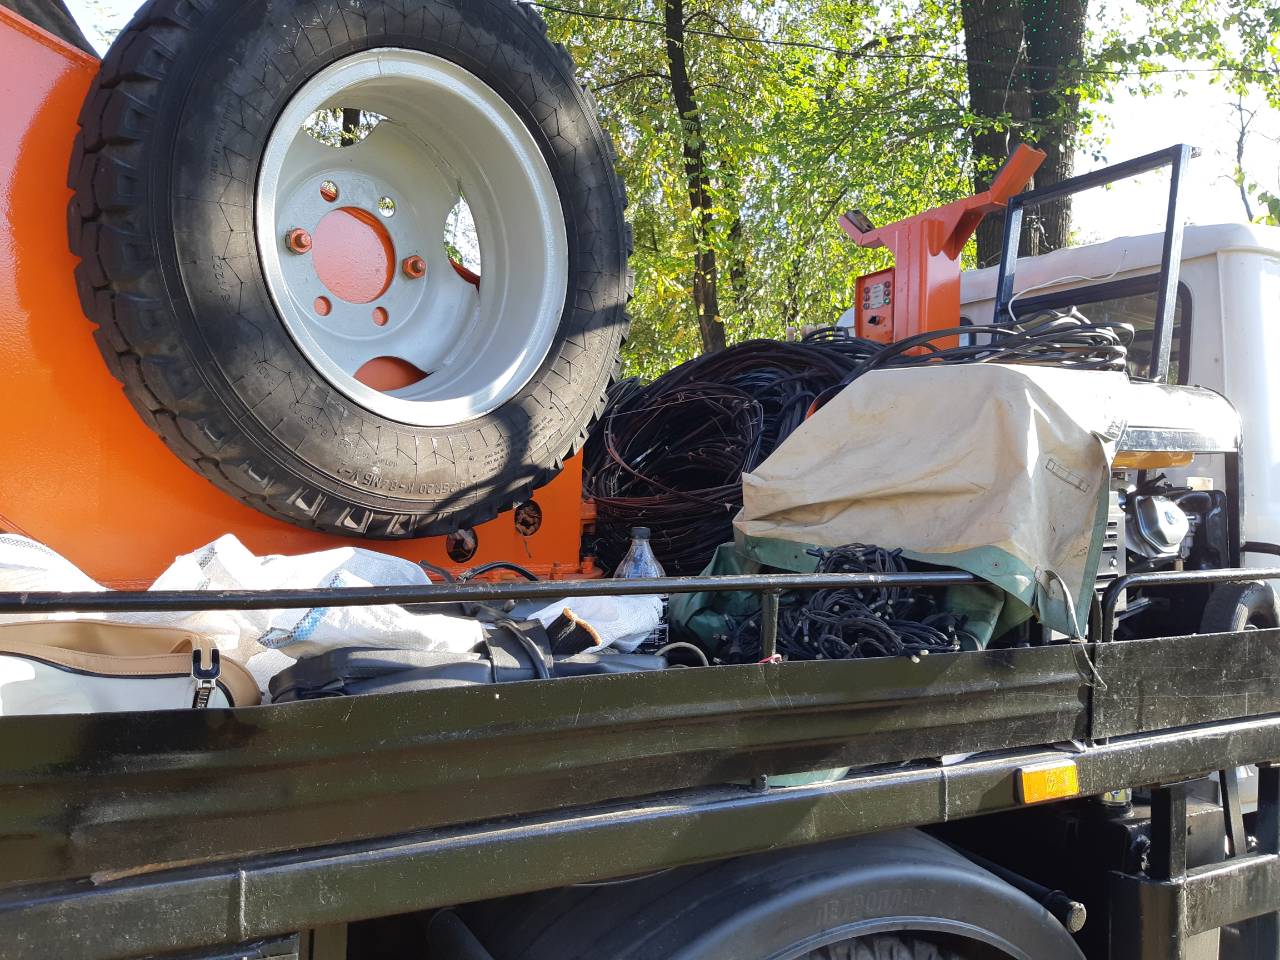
(1000, 470)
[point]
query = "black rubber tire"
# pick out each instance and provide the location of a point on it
(164, 171)
(1236, 606)
(904, 889)
(883, 947)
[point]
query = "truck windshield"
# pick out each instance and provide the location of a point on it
(1137, 308)
(1140, 310)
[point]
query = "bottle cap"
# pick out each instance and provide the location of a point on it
(639, 533)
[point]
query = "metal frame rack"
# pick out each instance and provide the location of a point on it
(1176, 159)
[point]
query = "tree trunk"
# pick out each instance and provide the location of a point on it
(737, 262)
(998, 93)
(1024, 57)
(1055, 45)
(705, 276)
(52, 15)
(350, 126)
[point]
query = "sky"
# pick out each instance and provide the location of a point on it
(1190, 110)
(1200, 114)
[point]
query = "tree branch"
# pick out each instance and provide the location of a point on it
(1241, 138)
(697, 178)
(707, 16)
(641, 75)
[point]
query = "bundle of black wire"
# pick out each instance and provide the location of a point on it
(850, 623)
(1053, 338)
(670, 455)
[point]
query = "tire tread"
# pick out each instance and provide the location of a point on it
(122, 293)
(1231, 606)
(883, 947)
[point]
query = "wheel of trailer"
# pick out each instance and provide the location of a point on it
(884, 947)
(362, 265)
(1239, 606)
(891, 896)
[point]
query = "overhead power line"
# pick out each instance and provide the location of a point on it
(864, 54)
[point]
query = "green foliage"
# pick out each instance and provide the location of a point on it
(1271, 203)
(794, 135)
(326, 126)
(1236, 43)
(847, 103)
(1266, 205)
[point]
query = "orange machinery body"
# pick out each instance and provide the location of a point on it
(81, 472)
(921, 292)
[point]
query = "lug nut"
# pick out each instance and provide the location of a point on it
(298, 240)
(415, 268)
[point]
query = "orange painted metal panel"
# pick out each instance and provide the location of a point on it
(80, 471)
(926, 250)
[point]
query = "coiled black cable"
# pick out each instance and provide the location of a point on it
(1053, 338)
(854, 622)
(670, 455)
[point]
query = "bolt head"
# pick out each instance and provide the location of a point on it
(298, 240)
(415, 268)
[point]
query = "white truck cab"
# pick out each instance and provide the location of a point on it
(1226, 333)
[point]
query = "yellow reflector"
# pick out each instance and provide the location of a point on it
(1151, 459)
(1048, 781)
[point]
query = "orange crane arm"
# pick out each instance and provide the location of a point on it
(921, 291)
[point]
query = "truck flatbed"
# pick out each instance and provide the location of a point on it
(130, 834)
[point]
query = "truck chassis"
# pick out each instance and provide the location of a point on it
(202, 828)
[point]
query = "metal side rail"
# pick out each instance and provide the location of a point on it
(1187, 578)
(223, 826)
(258, 897)
(1159, 915)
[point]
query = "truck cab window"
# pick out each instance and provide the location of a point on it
(1139, 310)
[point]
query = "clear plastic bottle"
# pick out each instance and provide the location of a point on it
(640, 563)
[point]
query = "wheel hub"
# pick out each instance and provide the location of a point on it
(351, 239)
(353, 255)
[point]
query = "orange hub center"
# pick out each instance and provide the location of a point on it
(353, 255)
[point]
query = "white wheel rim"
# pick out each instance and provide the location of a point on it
(446, 133)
